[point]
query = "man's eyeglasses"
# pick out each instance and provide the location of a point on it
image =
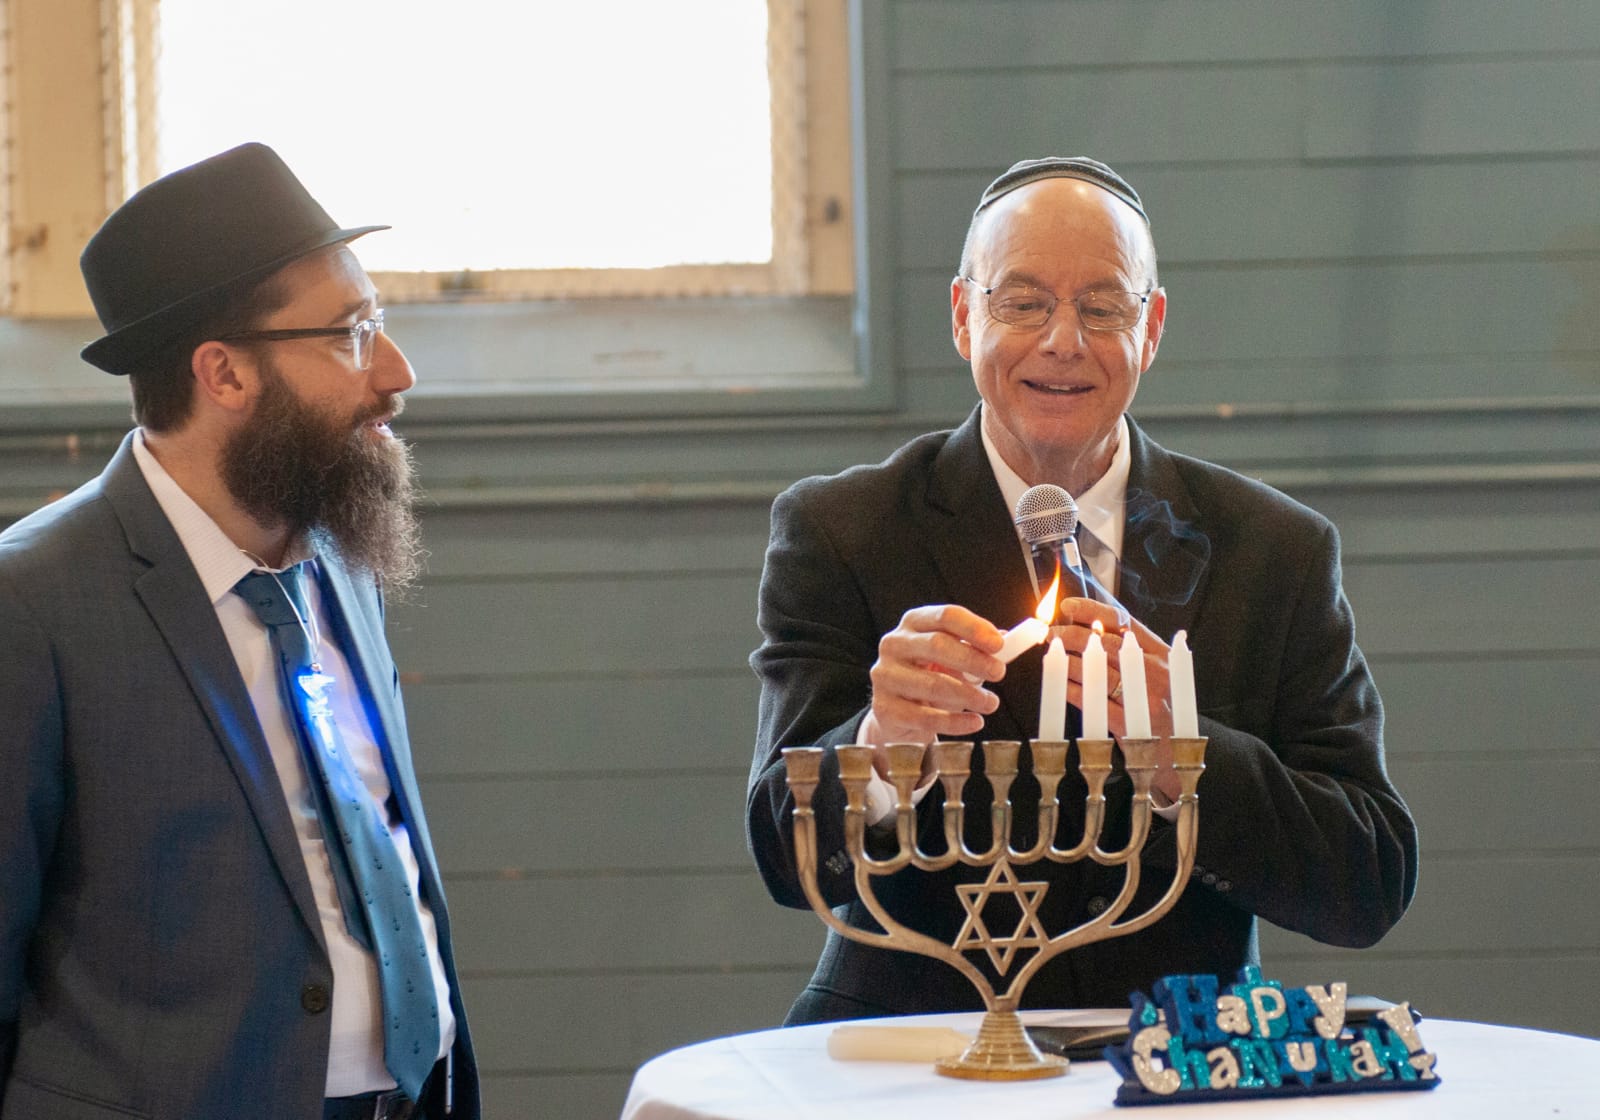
(1022, 305)
(364, 336)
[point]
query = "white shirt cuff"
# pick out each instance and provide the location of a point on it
(1167, 812)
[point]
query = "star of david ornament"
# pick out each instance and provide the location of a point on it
(1029, 934)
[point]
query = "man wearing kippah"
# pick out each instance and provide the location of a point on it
(886, 588)
(218, 895)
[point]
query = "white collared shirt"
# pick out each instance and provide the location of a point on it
(355, 1052)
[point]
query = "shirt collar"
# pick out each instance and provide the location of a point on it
(1099, 507)
(216, 559)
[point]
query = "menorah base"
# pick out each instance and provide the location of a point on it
(1002, 1052)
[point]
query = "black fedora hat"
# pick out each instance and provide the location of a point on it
(178, 249)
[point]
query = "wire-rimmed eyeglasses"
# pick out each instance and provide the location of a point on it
(363, 335)
(1023, 305)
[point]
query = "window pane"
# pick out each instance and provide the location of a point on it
(493, 134)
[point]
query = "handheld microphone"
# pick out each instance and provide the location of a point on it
(1047, 517)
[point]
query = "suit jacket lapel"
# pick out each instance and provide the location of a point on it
(975, 550)
(176, 601)
(360, 636)
(1165, 554)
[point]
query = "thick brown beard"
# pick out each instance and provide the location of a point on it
(328, 477)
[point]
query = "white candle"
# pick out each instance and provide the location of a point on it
(1094, 688)
(1135, 703)
(1180, 670)
(1053, 694)
(1023, 636)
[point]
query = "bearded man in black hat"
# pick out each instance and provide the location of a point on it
(885, 589)
(188, 927)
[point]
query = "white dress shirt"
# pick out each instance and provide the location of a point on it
(355, 1052)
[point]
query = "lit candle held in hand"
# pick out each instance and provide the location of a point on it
(1095, 721)
(1135, 702)
(1053, 694)
(1180, 670)
(1031, 631)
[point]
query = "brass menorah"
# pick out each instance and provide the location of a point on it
(1002, 1050)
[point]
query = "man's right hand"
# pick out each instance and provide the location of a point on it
(928, 678)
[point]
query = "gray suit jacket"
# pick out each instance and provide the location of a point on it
(1299, 822)
(160, 950)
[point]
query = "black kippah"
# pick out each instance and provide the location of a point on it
(1062, 167)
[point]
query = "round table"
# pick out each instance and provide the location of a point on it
(1486, 1073)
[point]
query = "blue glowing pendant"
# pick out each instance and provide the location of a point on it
(319, 710)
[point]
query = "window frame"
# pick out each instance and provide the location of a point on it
(838, 373)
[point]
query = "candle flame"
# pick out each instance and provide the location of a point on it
(1047, 606)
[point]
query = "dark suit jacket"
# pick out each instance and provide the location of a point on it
(160, 951)
(1299, 823)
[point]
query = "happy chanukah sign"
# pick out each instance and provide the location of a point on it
(1195, 1042)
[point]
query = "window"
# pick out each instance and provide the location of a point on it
(481, 140)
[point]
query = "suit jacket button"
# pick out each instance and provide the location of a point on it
(1209, 878)
(314, 998)
(1097, 905)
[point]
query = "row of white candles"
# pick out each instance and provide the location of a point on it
(1096, 695)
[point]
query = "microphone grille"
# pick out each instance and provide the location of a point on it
(1046, 514)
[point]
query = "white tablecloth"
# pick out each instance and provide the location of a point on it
(1487, 1073)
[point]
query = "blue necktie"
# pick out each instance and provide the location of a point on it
(380, 910)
